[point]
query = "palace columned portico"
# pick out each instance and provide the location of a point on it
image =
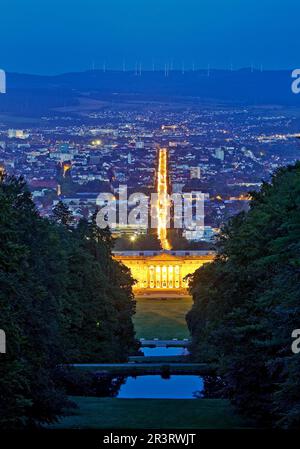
(162, 270)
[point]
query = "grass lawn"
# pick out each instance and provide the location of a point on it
(162, 318)
(99, 413)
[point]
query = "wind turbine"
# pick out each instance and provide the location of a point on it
(208, 70)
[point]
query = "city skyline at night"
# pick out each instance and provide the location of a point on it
(149, 221)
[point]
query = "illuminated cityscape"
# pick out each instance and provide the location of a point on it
(222, 151)
(149, 222)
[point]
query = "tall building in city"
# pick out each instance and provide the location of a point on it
(139, 145)
(195, 172)
(17, 134)
(219, 154)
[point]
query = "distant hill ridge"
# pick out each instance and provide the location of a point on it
(243, 86)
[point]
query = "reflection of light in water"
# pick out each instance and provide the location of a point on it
(162, 351)
(154, 386)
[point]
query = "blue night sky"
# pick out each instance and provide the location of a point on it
(53, 36)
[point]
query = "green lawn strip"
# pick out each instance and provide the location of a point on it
(104, 413)
(163, 319)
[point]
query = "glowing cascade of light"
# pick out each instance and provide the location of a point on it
(162, 203)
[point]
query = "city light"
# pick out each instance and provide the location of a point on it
(97, 142)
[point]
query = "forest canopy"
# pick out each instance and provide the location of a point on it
(63, 299)
(247, 304)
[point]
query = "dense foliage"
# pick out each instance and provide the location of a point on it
(62, 299)
(247, 303)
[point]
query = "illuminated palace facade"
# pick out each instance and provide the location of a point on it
(165, 270)
(157, 271)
